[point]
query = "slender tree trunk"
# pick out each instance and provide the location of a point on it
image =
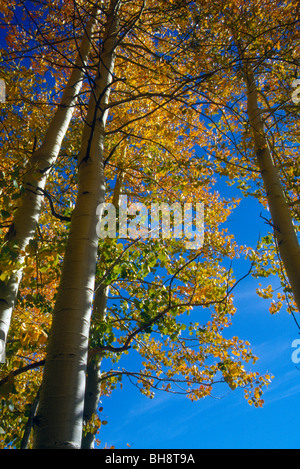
(59, 419)
(284, 230)
(27, 215)
(92, 397)
(93, 384)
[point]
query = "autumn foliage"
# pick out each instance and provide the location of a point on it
(162, 112)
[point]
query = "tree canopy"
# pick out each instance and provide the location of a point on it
(137, 103)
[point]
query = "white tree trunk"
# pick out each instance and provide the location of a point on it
(60, 415)
(93, 375)
(283, 227)
(27, 215)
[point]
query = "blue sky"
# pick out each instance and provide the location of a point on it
(226, 421)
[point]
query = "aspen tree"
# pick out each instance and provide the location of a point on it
(283, 228)
(24, 223)
(61, 406)
(150, 95)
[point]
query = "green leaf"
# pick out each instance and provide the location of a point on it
(267, 239)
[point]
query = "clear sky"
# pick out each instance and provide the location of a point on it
(227, 421)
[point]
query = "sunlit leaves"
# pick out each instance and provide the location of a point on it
(176, 119)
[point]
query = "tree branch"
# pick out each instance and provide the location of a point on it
(54, 213)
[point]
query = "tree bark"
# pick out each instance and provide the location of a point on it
(59, 419)
(26, 217)
(92, 397)
(284, 231)
(93, 385)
